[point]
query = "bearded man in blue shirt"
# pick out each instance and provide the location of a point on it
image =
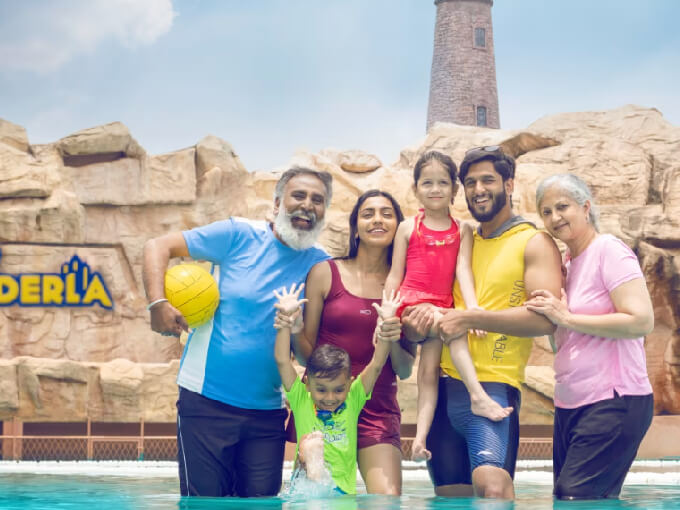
(230, 410)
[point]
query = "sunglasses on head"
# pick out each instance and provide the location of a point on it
(484, 148)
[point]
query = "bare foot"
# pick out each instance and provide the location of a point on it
(489, 408)
(419, 452)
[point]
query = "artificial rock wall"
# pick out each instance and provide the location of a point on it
(98, 195)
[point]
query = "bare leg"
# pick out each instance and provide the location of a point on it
(480, 402)
(492, 482)
(380, 467)
(428, 389)
(454, 491)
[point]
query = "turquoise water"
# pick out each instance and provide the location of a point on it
(45, 490)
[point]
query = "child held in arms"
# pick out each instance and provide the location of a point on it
(431, 250)
(326, 406)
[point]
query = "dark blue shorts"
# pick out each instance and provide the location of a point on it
(228, 451)
(460, 441)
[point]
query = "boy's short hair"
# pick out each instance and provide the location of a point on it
(328, 361)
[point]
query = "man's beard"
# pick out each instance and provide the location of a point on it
(296, 238)
(498, 202)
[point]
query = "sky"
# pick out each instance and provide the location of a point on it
(275, 76)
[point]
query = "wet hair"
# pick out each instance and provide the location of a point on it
(503, 164)
(443, 160)
(324, 177)
(328, 362)
(354, 217)
(577, 190)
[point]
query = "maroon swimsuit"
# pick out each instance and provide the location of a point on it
(348, 321)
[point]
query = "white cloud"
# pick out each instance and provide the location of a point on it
(43, 38)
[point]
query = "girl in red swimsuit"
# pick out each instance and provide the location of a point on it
(430, 250)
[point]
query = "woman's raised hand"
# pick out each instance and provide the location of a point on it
(545, 303)
(289, 306)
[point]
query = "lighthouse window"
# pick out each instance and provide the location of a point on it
(481, 116)
(480, 37)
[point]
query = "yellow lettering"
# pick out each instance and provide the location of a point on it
(9, 289)
(52, 290)
(30, 289)
(72, 297)
(97, 292)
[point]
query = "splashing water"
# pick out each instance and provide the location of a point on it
(314, 480)
(301, 487)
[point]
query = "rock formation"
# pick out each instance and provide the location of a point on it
(98, 195)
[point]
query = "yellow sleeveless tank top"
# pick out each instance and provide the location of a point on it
(498, 268)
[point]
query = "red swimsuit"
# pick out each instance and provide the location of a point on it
(430, 265)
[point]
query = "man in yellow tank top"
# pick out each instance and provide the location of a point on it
(510, 259)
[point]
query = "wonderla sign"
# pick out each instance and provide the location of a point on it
(76, 285)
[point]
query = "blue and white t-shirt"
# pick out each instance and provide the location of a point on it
(231, 358)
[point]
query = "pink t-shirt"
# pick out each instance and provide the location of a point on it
(590, 368)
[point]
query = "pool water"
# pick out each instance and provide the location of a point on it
(125, 486)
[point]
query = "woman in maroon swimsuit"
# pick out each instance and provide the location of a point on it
(340, 312)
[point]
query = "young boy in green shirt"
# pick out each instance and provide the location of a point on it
(329, 402)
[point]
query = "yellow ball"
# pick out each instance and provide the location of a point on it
(193, 291)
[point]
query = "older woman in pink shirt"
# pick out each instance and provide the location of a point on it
(603, 398)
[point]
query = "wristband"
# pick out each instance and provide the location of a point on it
(154, 303)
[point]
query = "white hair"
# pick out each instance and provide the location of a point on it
(577, 190)
(296, 238)
(324, 177)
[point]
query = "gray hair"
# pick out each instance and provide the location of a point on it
(324, 177)
(577, 190)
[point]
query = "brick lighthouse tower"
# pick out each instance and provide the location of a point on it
(463, 81)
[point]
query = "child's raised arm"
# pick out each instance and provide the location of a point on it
(382, 339)
(396, 275)
(288, 306)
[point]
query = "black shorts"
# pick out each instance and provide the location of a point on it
(595, 445)
(228, 451)
(461, 441)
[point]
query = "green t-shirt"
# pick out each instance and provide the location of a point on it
(339, 433)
